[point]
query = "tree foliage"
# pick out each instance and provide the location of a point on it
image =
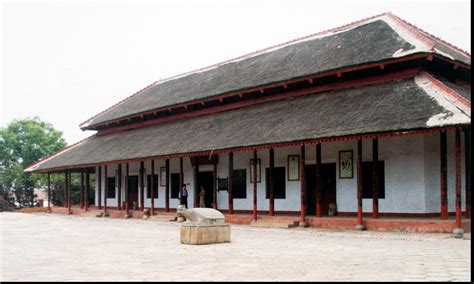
(22, 143)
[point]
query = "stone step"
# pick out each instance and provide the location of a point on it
(272, 224)
(164, 218)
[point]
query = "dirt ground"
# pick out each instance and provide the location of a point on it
(53, 247)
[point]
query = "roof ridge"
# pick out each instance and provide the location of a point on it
(417, 32)
(236, 58)
(431, 35)
(274, 46)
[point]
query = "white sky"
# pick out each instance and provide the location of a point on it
(65, 62)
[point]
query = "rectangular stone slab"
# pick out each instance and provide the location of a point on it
(193, 234)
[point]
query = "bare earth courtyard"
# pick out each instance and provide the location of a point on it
(40, 247)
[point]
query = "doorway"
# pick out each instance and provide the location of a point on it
(206, 180)
(132, 191)
(328, 187)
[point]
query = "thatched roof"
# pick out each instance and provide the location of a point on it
(417, 103)
(373, 40)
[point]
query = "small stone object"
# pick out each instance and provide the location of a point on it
(458, 233)
(303, 225)
(360, 227)
(126, 216)
(203, 226)
(146, 214)
(332, 209)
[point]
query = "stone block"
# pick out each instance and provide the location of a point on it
(199, 234)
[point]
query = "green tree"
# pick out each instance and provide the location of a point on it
(22, 143)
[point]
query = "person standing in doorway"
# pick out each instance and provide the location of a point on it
(202, 195)
(183, 196)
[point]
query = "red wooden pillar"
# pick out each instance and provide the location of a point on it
(360, 225)
(99, 198)
(458, 231)
(375, 183)
(167, 184)
(254, 165)
(271, 190)
(69, 192)
(65, 189)
(458, 177)
(82, 190)
(86, 194)
(318, 180)
(119, 185)
(106, 190)
(303, 187)
(443, 176)
(214, 184)
(467, 162)
(151, 186)
(196, 181)
(181, 174)
(230, 183)
(142, 185)
(49, 193)
(127, 197)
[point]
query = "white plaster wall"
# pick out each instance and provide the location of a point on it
(432, 172)
(411, 176)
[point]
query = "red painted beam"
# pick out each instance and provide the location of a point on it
(65, 189)
(127, 194)
(271, 189)
(254, 165)
(359, 183)
(443, 176)
(196, 182)
(106, 189)
(86, 194)
(230, 183)
(458, 177)
(303, 186)
(49, 193)
(142, 186)
(468, 161)
(167, 186)
(69, 193)
(99, 187)
(375, 178)
(119, 185)
(82, 190)
(214, 185)
(152, 186)
(318, 180)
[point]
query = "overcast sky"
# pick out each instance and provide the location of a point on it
(65, 62)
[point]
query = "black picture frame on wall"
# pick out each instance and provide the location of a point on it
(346, 164)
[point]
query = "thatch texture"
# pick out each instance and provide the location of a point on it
(369, 42)
(391, 106)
